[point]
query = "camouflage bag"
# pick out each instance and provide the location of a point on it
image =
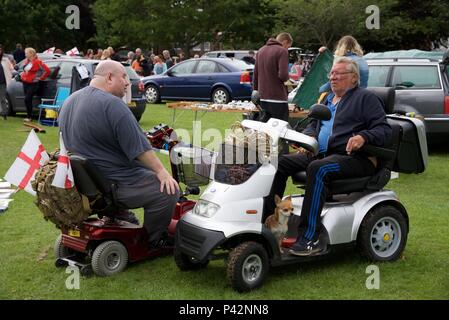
(63, 207)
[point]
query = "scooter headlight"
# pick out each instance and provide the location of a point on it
(205, 208)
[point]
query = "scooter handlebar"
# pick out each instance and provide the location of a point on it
(307, 142)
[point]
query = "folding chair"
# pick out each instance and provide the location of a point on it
(61, 95)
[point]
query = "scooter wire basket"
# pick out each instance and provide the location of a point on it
(193, 165)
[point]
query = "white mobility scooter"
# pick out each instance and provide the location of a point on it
(227, 219)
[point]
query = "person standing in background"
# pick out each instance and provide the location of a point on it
(34, 70)
(270, 73)
(18, 54)
(5, 77)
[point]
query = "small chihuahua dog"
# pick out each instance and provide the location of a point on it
(278, 222)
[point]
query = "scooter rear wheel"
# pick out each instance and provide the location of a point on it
(60, 250)
(383, 234)
(247, 266)
(109, 258)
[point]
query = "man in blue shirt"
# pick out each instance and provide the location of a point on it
(358, 117)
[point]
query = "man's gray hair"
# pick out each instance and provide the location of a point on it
(351, 66)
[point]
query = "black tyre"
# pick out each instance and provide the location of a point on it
(185, 263)
(60, 250)
(9, 107)
(247, 266)
(109, 258)
(383, 234)
(152, 94)
(221, 96)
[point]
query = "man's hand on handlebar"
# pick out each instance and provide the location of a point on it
(300, 149)
(167, 182)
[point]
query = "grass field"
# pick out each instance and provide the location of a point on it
(27, 268)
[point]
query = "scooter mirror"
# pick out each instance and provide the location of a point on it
(320, 112)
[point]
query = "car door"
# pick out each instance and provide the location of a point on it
(204, 78)
(176, 83)
(419, 86)
(17, 95)
(64, 78)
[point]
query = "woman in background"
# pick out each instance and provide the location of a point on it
(34, 70)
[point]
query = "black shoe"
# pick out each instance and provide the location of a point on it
(127, 216)
(304, 247)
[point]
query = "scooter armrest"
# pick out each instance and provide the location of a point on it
(383, 153)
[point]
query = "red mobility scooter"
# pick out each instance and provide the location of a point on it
(105, 244)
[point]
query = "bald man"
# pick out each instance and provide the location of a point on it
(97, 124)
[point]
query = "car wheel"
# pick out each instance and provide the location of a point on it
(9, 109)
(152, 94)
(383, 234)
(220, 96)
(247, 266)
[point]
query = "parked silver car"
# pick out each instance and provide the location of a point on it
(422, 89)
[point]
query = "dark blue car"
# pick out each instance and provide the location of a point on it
(219, 80)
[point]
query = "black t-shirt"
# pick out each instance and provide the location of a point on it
(169, 63)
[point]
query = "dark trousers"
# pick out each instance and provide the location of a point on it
(158, 206)
(30, 90)
(273, 110)
(3, 102)
(319, 173)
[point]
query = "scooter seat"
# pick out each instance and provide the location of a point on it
(346, 186)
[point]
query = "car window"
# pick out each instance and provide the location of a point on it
(184, 67)
(378, 76)
(416, 77)
(131, 73)
(222, 68)
(206, 66)
(65, 72)
(52, 66)
(241, 65)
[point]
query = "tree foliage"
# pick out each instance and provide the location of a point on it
(243, 24)
(164, 24)
(42, 24)
(404, 24)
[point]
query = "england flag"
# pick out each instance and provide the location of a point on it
(30, 159)
(73, 52)
(63, 175)
(49, 50)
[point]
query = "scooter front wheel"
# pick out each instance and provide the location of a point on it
(383, 234)
(247, 266)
